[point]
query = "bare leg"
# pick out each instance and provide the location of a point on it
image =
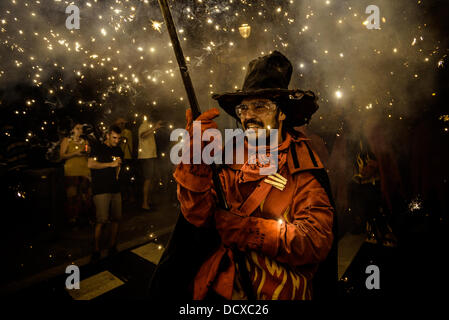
(146, 193)
(98, 227)
(114, 231)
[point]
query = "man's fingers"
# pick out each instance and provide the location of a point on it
(209, 114)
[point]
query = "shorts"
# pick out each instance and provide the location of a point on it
(148, 168)
(108, 207)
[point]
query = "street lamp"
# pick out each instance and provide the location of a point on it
(245, 30)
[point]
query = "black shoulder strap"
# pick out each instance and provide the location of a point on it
(323, 179)
(312, 156)
(294, 155)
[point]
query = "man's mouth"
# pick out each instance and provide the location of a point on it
(253, 125)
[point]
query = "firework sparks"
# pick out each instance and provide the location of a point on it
(156, 25)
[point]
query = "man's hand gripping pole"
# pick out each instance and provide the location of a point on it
(190, 91)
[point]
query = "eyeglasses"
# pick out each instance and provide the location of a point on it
(259, 108)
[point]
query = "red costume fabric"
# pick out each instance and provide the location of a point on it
(284, 234)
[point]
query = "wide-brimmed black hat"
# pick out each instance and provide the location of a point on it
(269, 77)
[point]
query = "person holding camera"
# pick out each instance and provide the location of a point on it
(74, 150)
(105, 161)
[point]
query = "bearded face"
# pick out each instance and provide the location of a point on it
(259, 113)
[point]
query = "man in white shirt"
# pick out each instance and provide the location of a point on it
(147, 155)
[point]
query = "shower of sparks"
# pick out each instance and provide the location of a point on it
(121, 49)
(415, 205)
(156, 25)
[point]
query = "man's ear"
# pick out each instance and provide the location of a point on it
(281, 115)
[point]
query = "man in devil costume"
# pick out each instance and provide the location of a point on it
(279, 228)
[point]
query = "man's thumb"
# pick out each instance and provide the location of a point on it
(189, 116)
(209, 114)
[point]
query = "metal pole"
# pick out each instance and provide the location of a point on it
(190, 91)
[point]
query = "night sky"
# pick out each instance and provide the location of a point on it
(120, 61)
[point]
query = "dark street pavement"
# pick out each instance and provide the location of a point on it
(31, 259)
(125, 275)
(34, 263)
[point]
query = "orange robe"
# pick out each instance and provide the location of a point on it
(284, 234)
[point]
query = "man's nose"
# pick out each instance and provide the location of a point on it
(249, 114)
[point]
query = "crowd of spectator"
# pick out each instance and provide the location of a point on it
(128, 162)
